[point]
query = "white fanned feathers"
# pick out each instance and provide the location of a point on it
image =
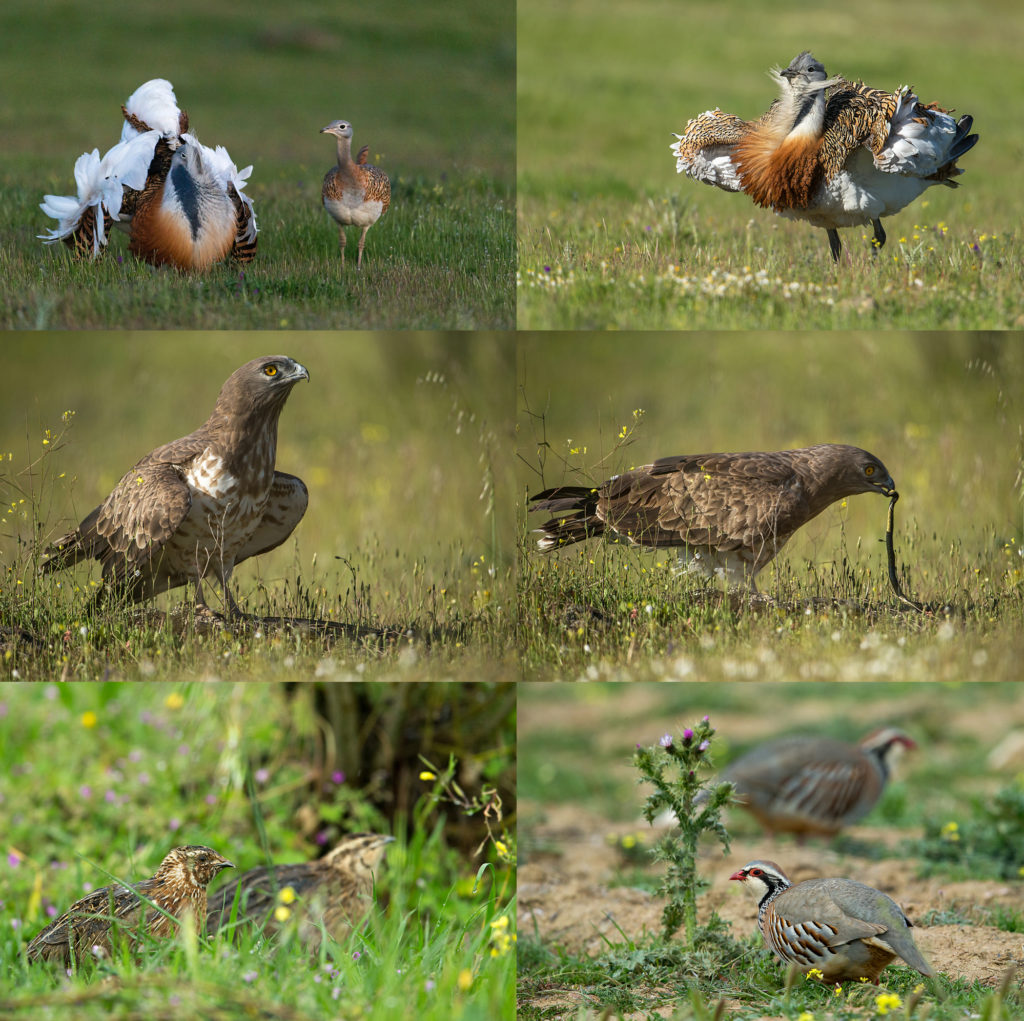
(181, 202)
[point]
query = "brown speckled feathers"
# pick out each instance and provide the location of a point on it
(336, 888)
(179, 888)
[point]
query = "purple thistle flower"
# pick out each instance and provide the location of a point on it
(250, 976)
(547, 269)
(261, 775)
(703, 746)
(705, 720)
(666, 741)
(173, 824)
(13, 860)
(687, 735)
(85, 792)
(338, 776)
(321, 838)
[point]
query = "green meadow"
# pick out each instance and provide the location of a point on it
(611, 237)
(407, 546)
(943, 413)
(100, 781)
(430, 90)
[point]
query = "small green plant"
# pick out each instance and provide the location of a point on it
(991, 841)
(671, 767)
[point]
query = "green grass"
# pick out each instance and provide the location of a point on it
(576, 746)
(394, 436)
(160, 765)
(611, 237)
(430, 91)
(942, 412)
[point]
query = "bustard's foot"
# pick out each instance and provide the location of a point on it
(879, 239)
(835, 246)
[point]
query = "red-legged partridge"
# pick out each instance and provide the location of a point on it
(814, 786)
(354, 192)
(844, 929)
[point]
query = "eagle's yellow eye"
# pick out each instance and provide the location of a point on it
(270, 370)
(870, 470)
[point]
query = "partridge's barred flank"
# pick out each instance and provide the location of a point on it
(829, 151)
(179, 888)
(199, 505)
(354, 192)
(814, 785)
(180, 202)
(727, 514)
(336, 889)
(845, 930)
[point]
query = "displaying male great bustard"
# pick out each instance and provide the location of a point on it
(354, 193)
(829, 151)
(180, 202)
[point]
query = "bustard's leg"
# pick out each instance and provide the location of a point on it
(362, 243)
(341, 244)
(834, 244)
(879, 234)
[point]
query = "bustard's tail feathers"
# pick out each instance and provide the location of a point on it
(152, 106)
(101, 183)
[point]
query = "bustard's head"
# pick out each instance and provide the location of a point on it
(804, 74)
(340, 129)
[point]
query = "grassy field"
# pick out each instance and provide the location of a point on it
(430, 91)
(589, 899)
(105, 779)
(403, 441)
(611, 237)
(943, 412)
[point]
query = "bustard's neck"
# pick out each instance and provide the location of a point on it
(344, 151)
(803, 109)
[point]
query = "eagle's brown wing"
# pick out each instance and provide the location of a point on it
(284, 510)
(144, 510)
(723, 501)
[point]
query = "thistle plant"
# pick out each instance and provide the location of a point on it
(671, 768)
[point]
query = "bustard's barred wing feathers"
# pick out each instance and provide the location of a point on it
(363, 156)
(903, 135)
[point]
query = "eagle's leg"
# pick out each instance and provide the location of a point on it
(341, 245)
(834, 244)
(879, 235)
(362, 243)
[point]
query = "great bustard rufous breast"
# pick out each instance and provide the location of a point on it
(354, 192)
(180, 202)
(829, 151)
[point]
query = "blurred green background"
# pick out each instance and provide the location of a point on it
(431, 86)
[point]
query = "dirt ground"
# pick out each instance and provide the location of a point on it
(566, 900)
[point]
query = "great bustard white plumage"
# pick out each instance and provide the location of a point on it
(180, 202)
(354, 193)
(829, 151)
